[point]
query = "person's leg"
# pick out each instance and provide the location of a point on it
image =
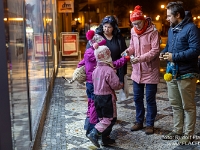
(104, 109)
(106, 140)
(91, 112)
(87, 120)
(138, 92)
(151, 90)
(176, 103)
(187, 88)
(89, 99)
(108, 130)
(106, 112)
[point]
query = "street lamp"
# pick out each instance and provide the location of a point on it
(157, 17)
(162, 6)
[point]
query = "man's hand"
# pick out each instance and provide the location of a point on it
(134, 60)
(168, 56)
(161, 57)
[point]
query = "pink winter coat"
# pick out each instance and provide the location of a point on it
(105, 82)
(147, 47)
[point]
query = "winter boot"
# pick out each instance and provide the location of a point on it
(105, 141)
(93, 136)
(90, 127)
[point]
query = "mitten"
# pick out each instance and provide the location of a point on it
(95, 45)
(127, 58)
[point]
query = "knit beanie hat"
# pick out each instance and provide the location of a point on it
(103, 54)
(137, 14)
(95, 38)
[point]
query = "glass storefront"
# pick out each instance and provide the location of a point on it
(30, 37)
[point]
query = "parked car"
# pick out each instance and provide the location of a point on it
(126, 33)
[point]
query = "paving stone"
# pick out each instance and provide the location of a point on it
(64, 124)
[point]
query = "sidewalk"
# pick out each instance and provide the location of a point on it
(64, 124)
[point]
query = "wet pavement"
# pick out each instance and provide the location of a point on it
(63, 128)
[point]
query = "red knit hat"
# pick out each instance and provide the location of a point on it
(137, 14)
(95, 38)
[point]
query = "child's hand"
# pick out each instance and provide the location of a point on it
(125, 53)
(95, 45)
(121, 84)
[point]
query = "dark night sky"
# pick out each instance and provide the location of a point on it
(147, 5)
(154, 5)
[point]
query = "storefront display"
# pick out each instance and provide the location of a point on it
(30, 62)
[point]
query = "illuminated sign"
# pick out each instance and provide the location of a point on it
(69, 43)
(66, 6)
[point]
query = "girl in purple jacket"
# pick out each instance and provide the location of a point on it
(90, 63)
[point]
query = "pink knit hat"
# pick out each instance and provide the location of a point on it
(103, 54)
(95, 38)
(137, 14)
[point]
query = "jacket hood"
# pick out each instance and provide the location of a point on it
(186, 20)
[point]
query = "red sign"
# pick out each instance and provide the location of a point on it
(42, 46)
(70, 44)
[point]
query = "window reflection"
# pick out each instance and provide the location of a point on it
(30, 64)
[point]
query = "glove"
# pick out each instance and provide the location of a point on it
(95, 45)
(127, 58)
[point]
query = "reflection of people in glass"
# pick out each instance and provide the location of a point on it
(29, 13)
(182, 50)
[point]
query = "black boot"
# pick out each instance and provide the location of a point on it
(105, 141)
(93, 136)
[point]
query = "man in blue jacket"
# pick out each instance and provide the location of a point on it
(181, 51)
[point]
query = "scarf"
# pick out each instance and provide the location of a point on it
(139, 32)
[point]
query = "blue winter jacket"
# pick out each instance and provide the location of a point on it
(184, 44)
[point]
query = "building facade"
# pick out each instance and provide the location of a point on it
(29, 59)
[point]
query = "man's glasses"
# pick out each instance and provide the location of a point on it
(137, 23)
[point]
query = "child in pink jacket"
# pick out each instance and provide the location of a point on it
(105, 81)
(89, 61)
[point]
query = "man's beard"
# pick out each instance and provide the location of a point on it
(174, 24)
